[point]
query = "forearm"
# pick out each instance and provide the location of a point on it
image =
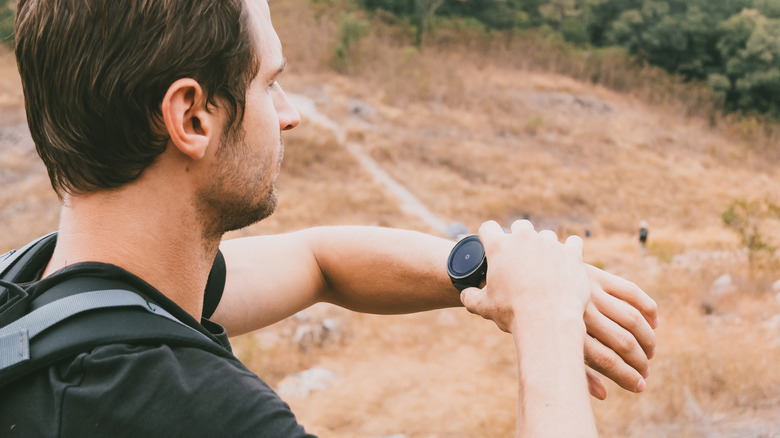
(553, 392)
(367, 269)
(382, 270)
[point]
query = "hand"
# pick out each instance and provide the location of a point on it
(531, 276)
(537, 289)
(619, 320)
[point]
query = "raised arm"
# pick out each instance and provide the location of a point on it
(383, 270)
(366, 269)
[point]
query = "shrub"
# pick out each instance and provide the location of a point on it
(352, 28)
(748, 218)
(7, 12)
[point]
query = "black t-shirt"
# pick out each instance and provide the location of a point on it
(145, 391)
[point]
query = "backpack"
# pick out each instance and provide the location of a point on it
(83, 316)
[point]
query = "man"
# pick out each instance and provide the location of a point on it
(643, 235)
(160, 126)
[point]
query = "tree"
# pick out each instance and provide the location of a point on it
(679, 36)
(423, 12)
(750, 49)
(7, 12)
(352, 28)
(734, 45)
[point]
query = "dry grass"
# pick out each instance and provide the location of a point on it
(11, 97)
(476, 135)
(475, 139)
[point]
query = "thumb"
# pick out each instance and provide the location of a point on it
(472, 299)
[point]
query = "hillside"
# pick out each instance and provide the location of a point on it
(474, 137)
(572, 157)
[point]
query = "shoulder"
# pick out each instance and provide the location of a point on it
(125, 390)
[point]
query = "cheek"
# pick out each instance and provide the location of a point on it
(260, 114)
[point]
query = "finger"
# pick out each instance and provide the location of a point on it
(477, 302)
(595, 387)
(522, 226)
(472, 299)
(489, 232)
(618, 339)
(627, 317)
(626, 291)
(548, 234)
(576, 243)
(608, 363)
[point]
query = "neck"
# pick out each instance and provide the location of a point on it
(158, 238)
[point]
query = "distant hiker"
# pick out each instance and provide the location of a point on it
(643, 235)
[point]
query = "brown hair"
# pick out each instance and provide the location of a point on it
(95, 73)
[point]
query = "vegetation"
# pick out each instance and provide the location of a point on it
(748, 218)
(352, 28)
(734, 46)
(7, 11)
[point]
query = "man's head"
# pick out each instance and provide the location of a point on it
(95, 73)
(110, 86)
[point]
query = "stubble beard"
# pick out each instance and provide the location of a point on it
(233, 201)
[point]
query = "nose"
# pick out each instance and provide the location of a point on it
(288, 115)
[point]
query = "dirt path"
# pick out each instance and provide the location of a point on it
(408, 202)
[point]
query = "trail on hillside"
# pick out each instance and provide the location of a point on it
(408, 202)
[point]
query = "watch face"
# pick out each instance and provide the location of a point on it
(466, 257)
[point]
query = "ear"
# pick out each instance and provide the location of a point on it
(189, 125)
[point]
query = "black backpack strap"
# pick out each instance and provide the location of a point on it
(135, 324)
(15, 338)
(7, 260)
(14, 300)
(85, 315)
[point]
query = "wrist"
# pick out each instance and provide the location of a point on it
(539, 320)
(553, 336)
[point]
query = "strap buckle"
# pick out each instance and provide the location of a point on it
(13, 303)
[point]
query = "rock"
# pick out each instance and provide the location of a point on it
(776, 290)
(722, 287)
(693, 410)
(331, 328)
(304, 383)
(772, 324)
(358, 107)
(307, 334)
(447, 318)
(302, 316)
(456, 231)
(316, 334)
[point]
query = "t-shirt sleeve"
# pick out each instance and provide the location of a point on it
(214, 286)
(151, 392)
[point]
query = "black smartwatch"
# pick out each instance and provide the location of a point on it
(467, 265)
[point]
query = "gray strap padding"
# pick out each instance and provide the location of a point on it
(14, 348)
(15, 337)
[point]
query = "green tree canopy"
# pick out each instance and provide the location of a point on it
(732, 44)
